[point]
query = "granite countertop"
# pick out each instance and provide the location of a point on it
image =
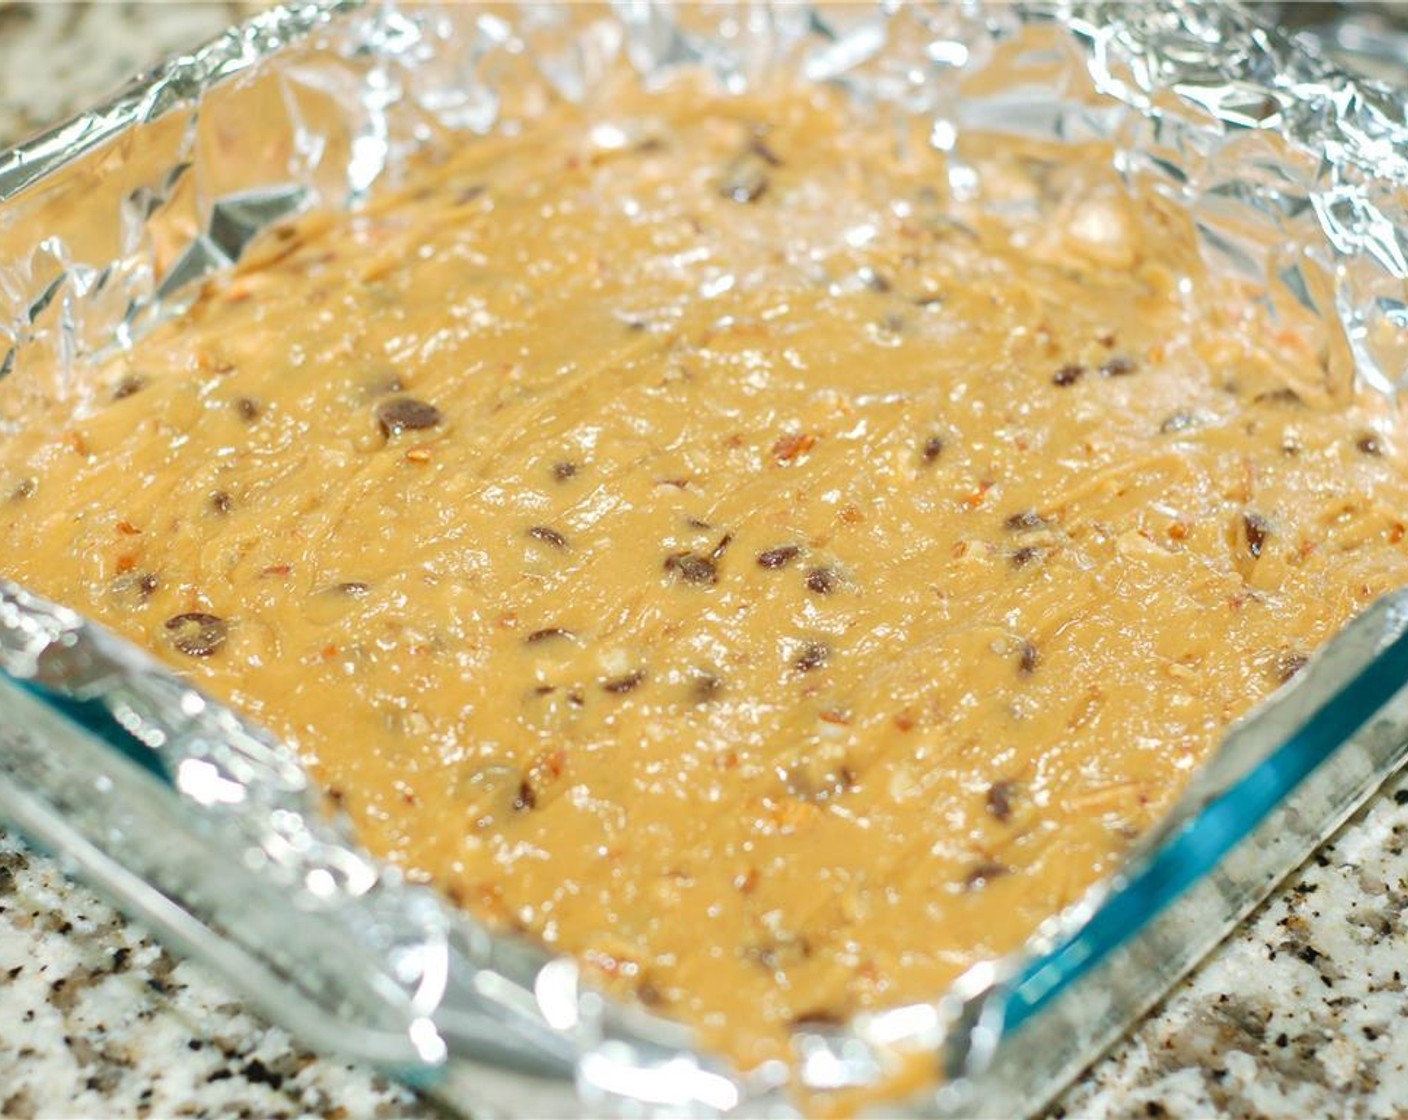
(1302, 1012)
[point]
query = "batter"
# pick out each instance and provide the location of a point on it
(685, 533)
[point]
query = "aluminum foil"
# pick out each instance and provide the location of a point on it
(1296, 177)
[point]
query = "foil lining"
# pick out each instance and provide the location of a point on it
(1296, 177)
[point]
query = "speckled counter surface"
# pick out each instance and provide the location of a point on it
(1303, 1012)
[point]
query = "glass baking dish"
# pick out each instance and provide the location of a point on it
(208, 830)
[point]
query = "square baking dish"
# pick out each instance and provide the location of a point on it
(205, 828)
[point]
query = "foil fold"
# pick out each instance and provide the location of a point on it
(1296, 177)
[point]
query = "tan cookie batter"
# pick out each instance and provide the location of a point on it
(685, 533)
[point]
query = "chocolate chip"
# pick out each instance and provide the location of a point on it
(352, 587)
(721, 547)
(983, 874)
(24, 488)
(249, 409)
(221, 502)
(744, 182)
(1257, 530)
(779, 952)
(564, 470)
(933, 448)
(822, 581)
(1284, 395)
(548, 536)
(526, 798)
(813, 656)
(1026, 521)
(196, 634)
(1119, 366)
(875, 281)
(548, 633)
(746, 179)
(692, 568)
(492, 790)
(1180, 422)
(1067, 375)
(1289, 663)
(818, 781)
(1025, 555)
(760, 148)
(1029, 659)
(999, 800)
(406, 414)
(779, 557)
(818, 1017)
(627, 682)
(129, 385)
(1368, 444)
(148, 584)
(705, 687)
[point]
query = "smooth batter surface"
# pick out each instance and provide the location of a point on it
(685, 533)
